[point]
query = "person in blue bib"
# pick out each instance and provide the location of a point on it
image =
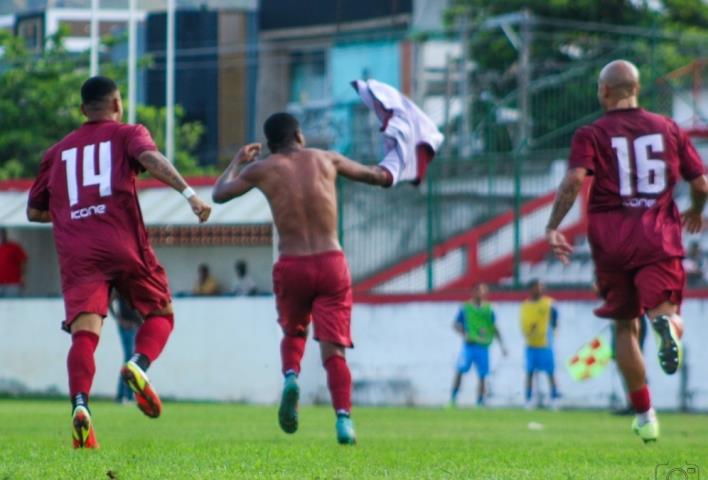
(539, 320)
(476, 323)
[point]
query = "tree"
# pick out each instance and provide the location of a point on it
(40, 105)
(565, 59)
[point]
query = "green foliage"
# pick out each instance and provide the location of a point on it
(40, 103)
(565, 59)
(187, 136)
(227, 441)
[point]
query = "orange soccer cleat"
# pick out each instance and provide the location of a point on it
(146, 398)
(82, 432)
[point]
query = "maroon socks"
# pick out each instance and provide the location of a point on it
(80, 362)
(291, 351)
(641, 399)
(339, 381)
(153, 334)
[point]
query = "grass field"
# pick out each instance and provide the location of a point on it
(205, 441)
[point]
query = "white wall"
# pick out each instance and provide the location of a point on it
(180, 262)
(181, 265)
(232, 346)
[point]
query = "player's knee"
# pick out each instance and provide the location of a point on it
(329, 349)
(627, 327)
(88, 322)
(665, 308)
(165, 311)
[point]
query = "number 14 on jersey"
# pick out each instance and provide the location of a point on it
(91, 175)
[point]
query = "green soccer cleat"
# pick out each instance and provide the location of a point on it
(287, 413)
(668, 344)
(647, 431)
(345, 430)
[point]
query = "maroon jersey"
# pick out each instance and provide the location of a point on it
(87, 182)
(636, 158)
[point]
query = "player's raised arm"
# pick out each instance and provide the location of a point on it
(567, 193)
(161, 168)
(232, 183)
(373, 175)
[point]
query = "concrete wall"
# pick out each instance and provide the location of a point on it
(181, 265)
(404, 354)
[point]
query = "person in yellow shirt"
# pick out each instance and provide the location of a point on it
(206, 284)
(539, 320)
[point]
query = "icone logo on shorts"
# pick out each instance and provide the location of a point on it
(639, 202)
(88, 212)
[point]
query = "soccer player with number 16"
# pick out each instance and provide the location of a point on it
(634, 227)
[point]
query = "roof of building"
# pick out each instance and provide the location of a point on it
(160, 205)
(23, 6)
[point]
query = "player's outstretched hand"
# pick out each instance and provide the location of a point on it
(200, 208)
(560, 246)
(247, 153)
(692, 220)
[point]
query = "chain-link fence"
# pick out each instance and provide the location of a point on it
(502, 177)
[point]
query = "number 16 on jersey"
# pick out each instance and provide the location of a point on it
(651, 172)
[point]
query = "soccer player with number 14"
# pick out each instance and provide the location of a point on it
(86, 189)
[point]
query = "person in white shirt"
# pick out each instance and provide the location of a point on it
(243, 284)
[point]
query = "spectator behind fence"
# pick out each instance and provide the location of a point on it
(206, 284)
(243, 284)
(128, 321)
(13, 260)
(693, 265)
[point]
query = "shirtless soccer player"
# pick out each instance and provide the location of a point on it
(311, 278)
(636, 158)
(86, 189)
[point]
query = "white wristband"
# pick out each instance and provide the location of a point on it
(188, 193)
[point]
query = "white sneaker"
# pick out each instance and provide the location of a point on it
(529, 405)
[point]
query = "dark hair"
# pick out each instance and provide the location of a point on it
(96, 89)
(280, 130)
(535, 282)
(241, 267)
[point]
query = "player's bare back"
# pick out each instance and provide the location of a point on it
(300, 187)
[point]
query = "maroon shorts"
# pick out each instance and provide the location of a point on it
(146, 293)
(315, 288)
(628, 294)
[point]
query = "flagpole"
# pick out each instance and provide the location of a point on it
(132, 62)
(94, 37)
(170, 93)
